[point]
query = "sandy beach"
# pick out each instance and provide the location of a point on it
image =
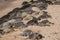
(50, 33)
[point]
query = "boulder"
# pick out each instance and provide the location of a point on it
(35, 9)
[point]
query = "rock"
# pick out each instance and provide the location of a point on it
(26, 32)
(28, 17)
(42, 5)
(19, 25)
(25, 3)
(35, 14)
(35, 36)
(33, 0)
(19, 13)
(6, 25)
(49, 2)
(28, 11)
(8, 30)
(41, 0)
(2, 31)
(33, 21)
(45, 23)
(4, 19)
(25, 7)
(12, 14)
(35, 9)
(12, 21)
(44, 15)
(24, 14)
(16, 15)
(19, 19)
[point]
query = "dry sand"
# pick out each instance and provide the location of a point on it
(50, 33)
